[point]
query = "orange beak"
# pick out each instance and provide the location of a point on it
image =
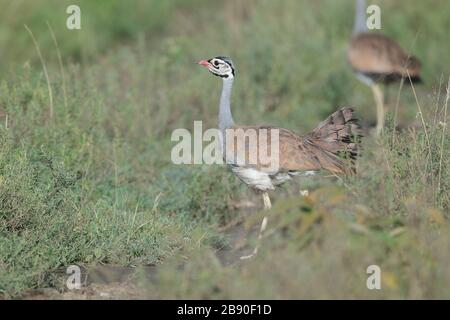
(204, 63)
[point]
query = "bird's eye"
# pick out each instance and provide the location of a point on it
(216, 63)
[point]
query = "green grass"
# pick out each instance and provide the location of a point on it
(93, 183)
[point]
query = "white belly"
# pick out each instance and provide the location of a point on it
(254, 178)
(262, 180)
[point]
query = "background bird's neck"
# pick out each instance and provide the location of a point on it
(360, 17)
(225, 117)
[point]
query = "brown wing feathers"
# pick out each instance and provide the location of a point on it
(320, 149)
(338, 133)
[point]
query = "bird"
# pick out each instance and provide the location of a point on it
(328, 147)
(376, 58)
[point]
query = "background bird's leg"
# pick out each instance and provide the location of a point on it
(378, 95)
(267, 206)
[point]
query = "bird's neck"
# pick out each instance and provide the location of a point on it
(360, 17)
(225, 117)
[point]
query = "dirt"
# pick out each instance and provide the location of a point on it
(99, 282)
(238, 236)
(109, 282)
(110, 291)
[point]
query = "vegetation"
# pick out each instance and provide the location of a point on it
(85, 170)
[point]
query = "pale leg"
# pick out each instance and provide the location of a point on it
(267, 206)
(380, 108)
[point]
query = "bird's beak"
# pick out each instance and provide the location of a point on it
(204, 63)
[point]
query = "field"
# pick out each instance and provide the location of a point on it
(86, 176)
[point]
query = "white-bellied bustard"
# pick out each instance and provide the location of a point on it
(377, 58)
(297, 155)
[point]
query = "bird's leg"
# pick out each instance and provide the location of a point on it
(266, 199)
(380, 108)
(267, 206)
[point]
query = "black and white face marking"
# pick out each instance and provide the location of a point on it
(219, 66)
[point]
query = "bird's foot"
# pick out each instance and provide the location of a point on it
(250, 255)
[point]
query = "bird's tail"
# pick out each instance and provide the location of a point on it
(411, 66)
(340, 135)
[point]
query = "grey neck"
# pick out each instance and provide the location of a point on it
(360, 17)
(225, 117)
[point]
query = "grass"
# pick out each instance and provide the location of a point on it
(87, 178)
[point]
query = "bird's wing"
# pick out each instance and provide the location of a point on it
(306, 153)
(295, 153)
(339, 133)
(377, 54)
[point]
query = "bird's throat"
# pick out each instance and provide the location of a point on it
(225, 117)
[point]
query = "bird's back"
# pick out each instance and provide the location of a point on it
(381, 58)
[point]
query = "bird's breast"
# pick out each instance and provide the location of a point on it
(254, 178)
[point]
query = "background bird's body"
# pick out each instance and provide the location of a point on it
(381, 59)
(376, 58)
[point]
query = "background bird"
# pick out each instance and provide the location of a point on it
(327, 147)
(377, 58)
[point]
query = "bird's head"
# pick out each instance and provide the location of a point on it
(219, 66)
